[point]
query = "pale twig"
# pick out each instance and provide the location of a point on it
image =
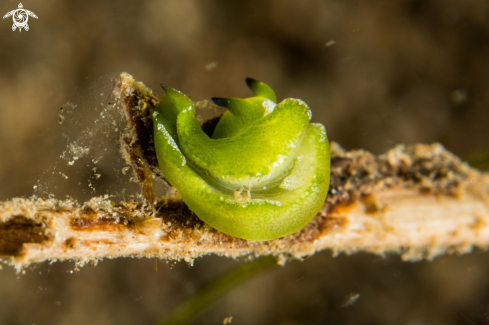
(420, 201)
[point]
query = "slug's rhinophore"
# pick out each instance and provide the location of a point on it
(264, 173)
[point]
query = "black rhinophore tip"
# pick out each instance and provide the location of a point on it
(261, 89)
(165, 88)
(250, 82)
(218, 101)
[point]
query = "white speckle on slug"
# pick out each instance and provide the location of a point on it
(188, 109)
(291, 144)
(275, 202)
(323, 136)
(280, 160)
(299, 101)
(304, 105)
(171, 141)
(269, 106)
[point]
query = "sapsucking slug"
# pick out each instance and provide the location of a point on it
(263, 174)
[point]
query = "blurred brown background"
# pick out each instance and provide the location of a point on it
(375, 73)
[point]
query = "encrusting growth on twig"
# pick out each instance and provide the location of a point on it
(419, 201)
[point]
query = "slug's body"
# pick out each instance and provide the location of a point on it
(264, 173)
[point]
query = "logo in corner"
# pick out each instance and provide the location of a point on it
(20, 16)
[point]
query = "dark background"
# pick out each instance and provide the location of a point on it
(405, 71)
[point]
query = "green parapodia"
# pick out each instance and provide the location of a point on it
(263, 174)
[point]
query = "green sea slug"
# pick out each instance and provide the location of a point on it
(263, 174)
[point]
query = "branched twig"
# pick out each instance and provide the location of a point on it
(419, 201)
